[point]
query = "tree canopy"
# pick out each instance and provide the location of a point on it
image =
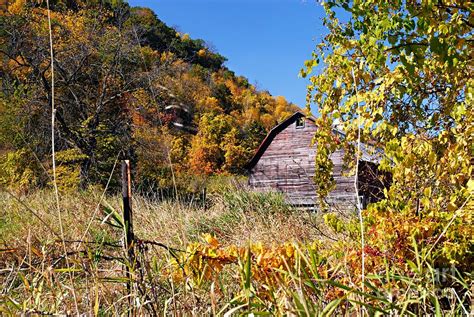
(127, 85)
(402, 73)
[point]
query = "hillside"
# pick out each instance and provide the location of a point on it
(126, 86)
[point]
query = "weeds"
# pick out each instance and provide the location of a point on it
(180, 268)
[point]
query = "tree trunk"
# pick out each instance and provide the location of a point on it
(84, 172)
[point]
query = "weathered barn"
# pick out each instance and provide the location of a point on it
(285, 162)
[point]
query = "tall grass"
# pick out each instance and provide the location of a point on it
(245, 252)
(33, 270)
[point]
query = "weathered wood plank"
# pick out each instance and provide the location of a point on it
(288, 165)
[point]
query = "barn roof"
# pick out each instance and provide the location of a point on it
(272, 134)
(365, 149)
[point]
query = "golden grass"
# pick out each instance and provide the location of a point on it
(31, 256)
(262, 259)
(169, 222)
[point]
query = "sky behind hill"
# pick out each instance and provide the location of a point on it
(265, 40)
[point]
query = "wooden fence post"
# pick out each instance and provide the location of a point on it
(128, 218)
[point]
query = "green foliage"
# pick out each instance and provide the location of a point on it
(219, 226)
(18, 171)
(223, 95)
(12, 116)
(242, 201)
(237, 203)
(68, 170)
(402, 73)
(161, 38)
(253, 134)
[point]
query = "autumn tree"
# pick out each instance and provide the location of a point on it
(162, 38)
(94, 67)
(402, 73)
(126, 85)
(206, 154)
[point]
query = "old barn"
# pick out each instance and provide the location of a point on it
(285, 162)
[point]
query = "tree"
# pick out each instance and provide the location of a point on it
(124, 83)
(207, 153)
(95, 67)
(403, 71)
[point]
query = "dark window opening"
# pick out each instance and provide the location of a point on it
(300, 123)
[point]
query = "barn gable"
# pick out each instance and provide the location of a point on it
(284, 162)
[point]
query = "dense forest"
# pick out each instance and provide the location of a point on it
(126, 86)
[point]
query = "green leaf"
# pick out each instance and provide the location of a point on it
(435, 301)
(331, 307)
(434, 44)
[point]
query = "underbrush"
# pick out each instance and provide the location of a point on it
(243, 252)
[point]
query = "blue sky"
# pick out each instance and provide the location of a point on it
(266, 41)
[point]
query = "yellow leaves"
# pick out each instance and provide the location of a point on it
(17, 6)
(202, 53)
(166, 57)
(470, 186)
(18, 169)
(459, 110)
(150, 56)
(452, 207)
(309, 64)
(443, 28)
(210, 104)
(425, 201)
(268, 263)
(67, 178)
(211, 240)
(19, 67)
(267, 120)
(427, 192)
(290, 250)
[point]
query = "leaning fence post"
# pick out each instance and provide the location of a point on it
(128, 217)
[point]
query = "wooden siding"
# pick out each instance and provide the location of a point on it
(287, 165)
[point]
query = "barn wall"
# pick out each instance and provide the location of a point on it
(287, 166)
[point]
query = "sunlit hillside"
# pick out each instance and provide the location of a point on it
(126, 86)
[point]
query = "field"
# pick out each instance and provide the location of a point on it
(243, 252)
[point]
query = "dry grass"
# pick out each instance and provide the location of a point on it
(33, 265)
(231, 220)
(35, 277)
